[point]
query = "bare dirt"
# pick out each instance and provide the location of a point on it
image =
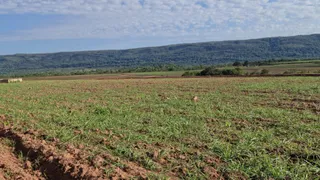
(29, 157)
(13, 168)
(44, 160)
(24, 156)
(39, 159)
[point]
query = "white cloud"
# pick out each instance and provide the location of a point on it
(199, 19)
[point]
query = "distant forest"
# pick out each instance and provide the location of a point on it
(182, 55)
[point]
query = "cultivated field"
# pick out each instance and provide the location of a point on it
(276, 68)
(295, 67)
(192, 128)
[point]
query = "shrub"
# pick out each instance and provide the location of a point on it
(246, 63)
(236, 71)
(239, 71)
(237, 63)
(254, 73)
(190, 73)
(264, 71)
(210, 71)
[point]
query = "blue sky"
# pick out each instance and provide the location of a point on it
(36, 26)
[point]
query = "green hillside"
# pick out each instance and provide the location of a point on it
(295, 47)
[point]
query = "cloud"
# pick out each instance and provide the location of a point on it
(199, 19)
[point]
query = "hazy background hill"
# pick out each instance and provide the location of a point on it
(295, 47)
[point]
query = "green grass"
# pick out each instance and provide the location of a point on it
(256, 128)
(299, 66)
(298, 62)
(160, 73)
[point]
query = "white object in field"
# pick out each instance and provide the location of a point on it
(11, 80)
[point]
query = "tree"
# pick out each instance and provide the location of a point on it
(237, 63)
(246, 63)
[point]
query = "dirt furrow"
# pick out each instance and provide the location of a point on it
(12, 167)
(43, 158)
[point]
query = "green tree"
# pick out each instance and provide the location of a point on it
(237, 63)
(246, 63)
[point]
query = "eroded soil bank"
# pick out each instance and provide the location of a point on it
(13, 167)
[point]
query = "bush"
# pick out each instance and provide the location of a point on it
(212, 71)
(190, 73)
(236, 71)
(237, 63)
(264, 71)
(228, 72)
(239, 71)
(254, 73)
(246, 63)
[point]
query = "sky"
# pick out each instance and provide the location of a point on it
(38, 26)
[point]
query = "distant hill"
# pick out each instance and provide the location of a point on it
(295, 47)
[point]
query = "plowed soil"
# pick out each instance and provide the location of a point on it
(13, 168)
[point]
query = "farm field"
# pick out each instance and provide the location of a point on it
(139, 75)
(294, 67)
(291, 67)
(191, 128)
